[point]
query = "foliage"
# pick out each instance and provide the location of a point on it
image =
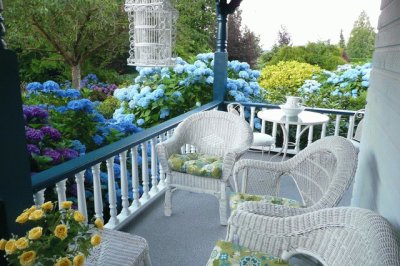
(323, 54)
(285, 78)
(108, 106)
(58, 237)
(68, 28)
(362, 39)
(284, 38)
(345, 88)
(244, 45)
(342, 42)
(195, 27)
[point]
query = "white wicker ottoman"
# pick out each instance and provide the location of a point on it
(120, 249)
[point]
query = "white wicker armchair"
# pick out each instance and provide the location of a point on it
(322, 173)
(334, 236)
(213, 133)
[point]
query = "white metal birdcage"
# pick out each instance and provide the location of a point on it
(152, 32)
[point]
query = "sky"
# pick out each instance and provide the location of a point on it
(306, 20)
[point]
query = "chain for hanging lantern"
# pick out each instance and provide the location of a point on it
(152, 32)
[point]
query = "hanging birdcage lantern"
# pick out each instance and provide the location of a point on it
(152, 32)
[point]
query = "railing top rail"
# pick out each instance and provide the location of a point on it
(318, 110)
(68, 169)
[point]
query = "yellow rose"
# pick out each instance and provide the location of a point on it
(22, 218)
(10, 246)
(63, 262)
(79, 260)
(61, 231)
(99, 223)
(66, 204)
(22, 243)
(30, 210)
(95, 240)
(3, 244)
(47, 206)
(35, 233)
(27, 258)
(36, 215)
(79, 217)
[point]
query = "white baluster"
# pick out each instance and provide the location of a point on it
(145, 173)
(298, 129)
(274, 129)
(124, 184)
(38, 197)
(154, 182)
(263, 126)
(169, 134)
(162, 172)
(61, 188)
(187, 148)
(135, 178)
(337, 124)
(98, 199)
(310, 135)
(351, 127)
(241, 108)
(192, 149)
(80, 185)
(112, 195)
(323, 132)
(252, 114)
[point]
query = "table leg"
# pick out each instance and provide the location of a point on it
(285, 142)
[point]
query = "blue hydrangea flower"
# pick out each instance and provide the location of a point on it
(98, 140)
(140, 122)
(50, 85)
(34, 86)
(164, 113)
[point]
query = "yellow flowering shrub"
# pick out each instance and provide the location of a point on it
(58, 237)
(285, 78)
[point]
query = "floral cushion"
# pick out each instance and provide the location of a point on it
(229, 254)
(197, 164)
(237, 198)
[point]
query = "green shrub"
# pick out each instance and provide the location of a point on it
(108, 106)
(285, 78)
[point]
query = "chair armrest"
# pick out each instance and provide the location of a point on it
(165, 149)
(271, 210)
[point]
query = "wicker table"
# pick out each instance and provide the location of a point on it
(120, 249)
(305, 119)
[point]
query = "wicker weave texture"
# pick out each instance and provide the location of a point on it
(213, 133)
(322, 172)
(335, 236)
(120, 249)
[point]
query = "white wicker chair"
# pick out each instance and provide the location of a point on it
(262, 140)
(213, 133)
(322, 173)
(334, 236)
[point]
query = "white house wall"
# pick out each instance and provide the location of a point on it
(377, 183)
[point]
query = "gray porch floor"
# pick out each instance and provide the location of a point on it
(188, 236)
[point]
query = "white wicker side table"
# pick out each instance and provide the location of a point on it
(120, 249)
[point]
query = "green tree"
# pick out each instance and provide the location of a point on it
(362, 39)
(195, 27)
(342, 42)
(70, 31)
(284, 38)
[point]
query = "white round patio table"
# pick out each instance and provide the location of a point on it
(305, 119)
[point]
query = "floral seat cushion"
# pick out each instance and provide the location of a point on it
(237, 198)
(229, 254)
(197, 164)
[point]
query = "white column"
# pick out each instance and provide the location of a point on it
(124, 184)
(112, 195)
(98, 199)
(310, 135)
(351, 127)
(154, 172)
(135, 178)
(38, 197)
(252, 114)
(263, 126)
(80, 185)
(337, 124)
(145, 174)
(61, 188)
(274, 129)
(162, 172)
(323, 132)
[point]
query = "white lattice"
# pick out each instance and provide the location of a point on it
(152, 31)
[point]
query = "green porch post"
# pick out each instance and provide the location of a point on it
(221, 53)
(15, 180)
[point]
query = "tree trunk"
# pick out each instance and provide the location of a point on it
(76, 76)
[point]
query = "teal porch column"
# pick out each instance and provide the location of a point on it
(15, 180)
(221, 53)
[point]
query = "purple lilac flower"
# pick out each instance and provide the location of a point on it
(33, 135)
(68, 154)
(51, 132)
(54, 155)
(32, 148)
